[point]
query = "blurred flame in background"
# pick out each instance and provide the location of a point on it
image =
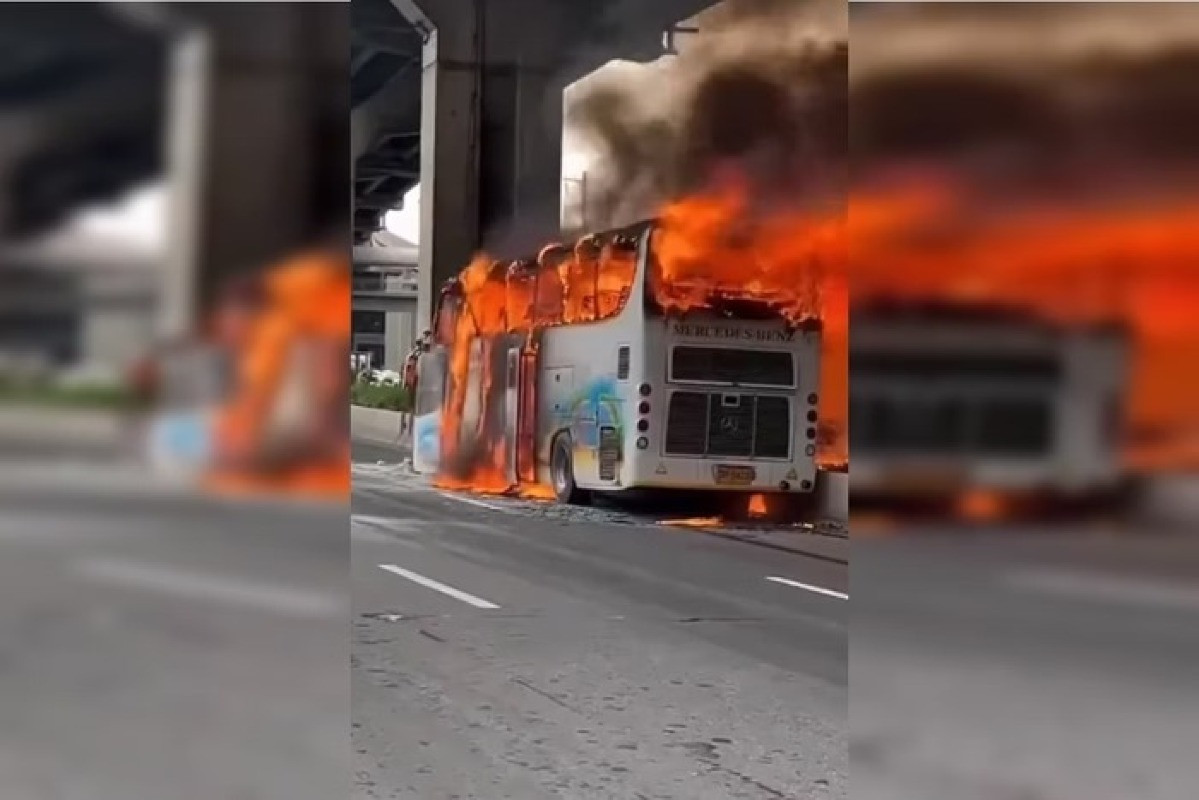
(1036, 157)
(288, 394)
(195, 344)
(1133, 263)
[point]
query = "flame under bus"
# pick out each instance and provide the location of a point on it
(601, 381)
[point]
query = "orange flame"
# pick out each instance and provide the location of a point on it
(694, 522)
(1069, 263)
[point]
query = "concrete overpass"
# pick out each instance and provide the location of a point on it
(476, 115)
(383, 320)
(464, 96)
(81, 110)
(242, 106)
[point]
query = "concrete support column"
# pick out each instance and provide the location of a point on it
(245, 162)
(398, 338)
(258, 165)
(491, 135)
(187, 92)
(451, 107)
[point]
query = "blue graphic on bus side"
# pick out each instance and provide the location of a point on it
(426, 438)
(594, 406)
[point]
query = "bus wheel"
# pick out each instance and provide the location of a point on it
(562, 474)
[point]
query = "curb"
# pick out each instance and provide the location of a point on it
(381, 426)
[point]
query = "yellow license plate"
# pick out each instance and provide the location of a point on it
(731, 475)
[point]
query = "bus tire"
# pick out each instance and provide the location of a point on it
(562, 475)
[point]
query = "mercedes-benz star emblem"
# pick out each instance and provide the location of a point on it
(728, 424)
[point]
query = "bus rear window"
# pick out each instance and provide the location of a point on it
(721, 365)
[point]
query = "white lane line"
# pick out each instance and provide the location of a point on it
(165, 579)
(809, 587)
(470, 501)
(1106, 588)
(429, 583)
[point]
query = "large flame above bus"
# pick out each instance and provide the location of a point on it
(715, 245)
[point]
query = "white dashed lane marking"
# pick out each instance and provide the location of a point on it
(437, 586)
(807, 587)
(188, 585)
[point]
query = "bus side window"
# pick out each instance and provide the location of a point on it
(551, 298)
(446, 322)
(579, 274)
(618, 269)
(622, 363)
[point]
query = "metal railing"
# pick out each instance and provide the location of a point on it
(397, 285)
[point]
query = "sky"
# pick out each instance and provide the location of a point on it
(405, 221)
(138, 219)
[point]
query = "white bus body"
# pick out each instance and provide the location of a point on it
(940, 404)
(644, 400)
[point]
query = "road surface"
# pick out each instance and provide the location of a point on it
(1052, 663)
(503, 650)
(159, 645)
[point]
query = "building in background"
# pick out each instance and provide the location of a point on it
(384, 304)
(73, 299)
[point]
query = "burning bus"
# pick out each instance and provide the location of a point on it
(592, 368)
(949, 400)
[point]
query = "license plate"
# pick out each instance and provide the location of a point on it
(731, 475)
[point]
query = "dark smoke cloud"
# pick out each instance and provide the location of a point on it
(1049, 94)
(762, 91)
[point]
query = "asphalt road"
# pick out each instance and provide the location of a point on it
(506, 650)
(1052, 663)
(158, 645)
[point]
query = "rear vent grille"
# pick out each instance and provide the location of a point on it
(730, 366)
(609, 453)
(772, 433)
(687, 424)
(732, 425)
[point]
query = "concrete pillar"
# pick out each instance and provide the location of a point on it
(491, 133)
(188, 80)
(246, 151)
(398, 337)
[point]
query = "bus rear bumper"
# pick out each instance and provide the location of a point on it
(724, 476)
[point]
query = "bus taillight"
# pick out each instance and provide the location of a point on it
(643, 408)
(645, 389)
